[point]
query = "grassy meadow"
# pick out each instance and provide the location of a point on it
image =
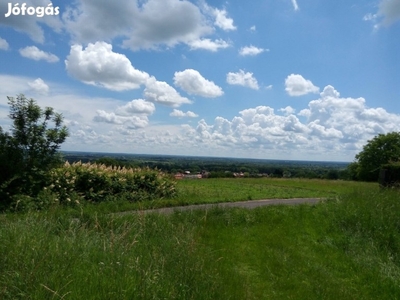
(346, 247)
(216, 190)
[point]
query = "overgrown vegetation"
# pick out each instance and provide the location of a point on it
(30, 150)
(96, 183)
(344, 248)
(33, 176)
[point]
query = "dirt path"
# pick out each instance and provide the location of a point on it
(244, 204)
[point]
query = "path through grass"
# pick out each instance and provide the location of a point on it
(345, 248)
(202, 191)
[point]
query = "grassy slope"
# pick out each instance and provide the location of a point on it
(343, 249)
(198, 191)
(346, 248)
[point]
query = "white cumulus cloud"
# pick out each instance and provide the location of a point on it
(220, 16)
(222, 21)
(351, 116)
(132, 115)
(141, 24)
(166, 22)
(98, 65)
(149, 24)
(288, 110)
(3, 44)
(180, 114)
(35, 53)
(251, 51)
(192, 82)
(131, 122)
(162, 93)
(208, 44)
(297, 85)
(138, 106)
(242, 78)
(39, 86)
(333, 125)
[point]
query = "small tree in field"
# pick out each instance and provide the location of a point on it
(31, 149)
(382, 149)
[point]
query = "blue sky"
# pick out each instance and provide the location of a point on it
(287, 79)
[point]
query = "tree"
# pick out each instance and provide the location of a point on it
(32, 147)
(382, 149)
(332, 174)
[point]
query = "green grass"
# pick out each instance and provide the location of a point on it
(342, 249)
(102, 258)
(218, 190)
(201, 191)
(347, 247)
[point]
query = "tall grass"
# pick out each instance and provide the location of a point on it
(343, 248)
(140, 257)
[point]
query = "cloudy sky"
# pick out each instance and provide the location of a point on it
(287, 79)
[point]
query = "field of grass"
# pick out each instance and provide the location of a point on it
(347, 247)
(201, 191)
(235, 189)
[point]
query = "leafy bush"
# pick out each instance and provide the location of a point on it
(382, 149)
(30, 150)
(96, 183)
(43, 200)
(389, 175)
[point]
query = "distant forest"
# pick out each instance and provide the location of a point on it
(219, 167)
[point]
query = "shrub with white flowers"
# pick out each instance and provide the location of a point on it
(97, 182)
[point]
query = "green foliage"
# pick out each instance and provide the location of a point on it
(351, 171)
(344, 248)
(77, 182)
(389, 175)
(30, 151)
(217, 167)
(111, 162)
(220, 174)
(332, 175)
(23, 203)
(382, 149)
